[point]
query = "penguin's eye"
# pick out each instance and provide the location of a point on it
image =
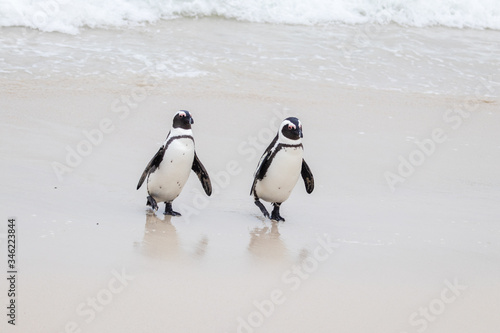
(291, 127)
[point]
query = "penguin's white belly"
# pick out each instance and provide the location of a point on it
(166, 183)
(281, 176)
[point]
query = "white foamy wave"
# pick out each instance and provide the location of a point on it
(69, 16)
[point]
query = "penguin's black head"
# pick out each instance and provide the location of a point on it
(183, 120)
(291, 128)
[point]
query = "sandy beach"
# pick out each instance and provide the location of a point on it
(401, 233)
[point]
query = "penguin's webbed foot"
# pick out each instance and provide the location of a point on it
(152, 202)
(172, 213)
(169, 210)
(275, 215)
(262, 208)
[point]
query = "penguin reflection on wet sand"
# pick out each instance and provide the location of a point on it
(266, 243)
(160, 237)
(280, 167)
(161, 241)
(168, 171)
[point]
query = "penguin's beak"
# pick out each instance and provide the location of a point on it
(300, 133)
(191, 120)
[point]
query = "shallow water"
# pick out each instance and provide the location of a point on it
(230, 54)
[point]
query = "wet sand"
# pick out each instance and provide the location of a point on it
(393, 251)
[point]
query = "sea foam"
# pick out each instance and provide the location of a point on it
(70, 16)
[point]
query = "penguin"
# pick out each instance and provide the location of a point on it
(168, 171)
(280, 167)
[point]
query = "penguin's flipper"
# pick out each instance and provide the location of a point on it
(202, 174)
(152, 165)
(307, 176)
(264, 162)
